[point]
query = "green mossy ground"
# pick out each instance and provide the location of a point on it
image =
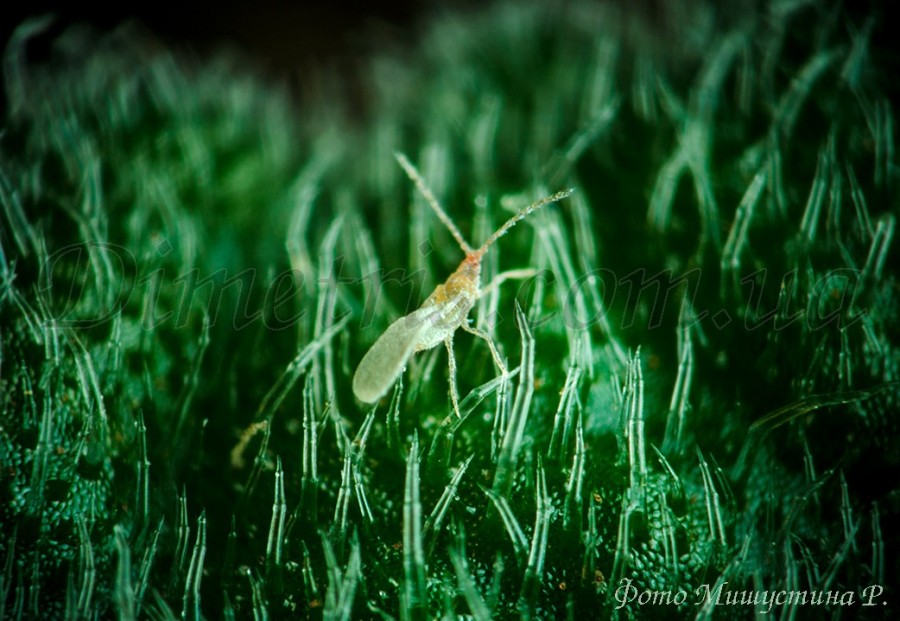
(192, 263)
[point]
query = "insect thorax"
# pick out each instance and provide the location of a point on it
(451, 302)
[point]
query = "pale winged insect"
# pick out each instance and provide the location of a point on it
(445, 310)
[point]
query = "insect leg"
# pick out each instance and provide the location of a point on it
(454, 395)
(502, 277)
(484, 335)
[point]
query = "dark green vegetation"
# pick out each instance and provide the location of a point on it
(192, 266)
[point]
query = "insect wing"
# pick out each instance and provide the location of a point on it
(385, 361)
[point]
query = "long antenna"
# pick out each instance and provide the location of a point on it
(515, 219)
(416, 178)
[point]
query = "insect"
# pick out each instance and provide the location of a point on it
(445, 310)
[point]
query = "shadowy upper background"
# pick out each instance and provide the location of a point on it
(291, 38)
(286, 39)
(283, 35)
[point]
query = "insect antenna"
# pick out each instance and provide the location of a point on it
(416, 178)
(515, 219)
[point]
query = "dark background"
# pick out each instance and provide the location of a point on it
(288, 39)
(291, 38)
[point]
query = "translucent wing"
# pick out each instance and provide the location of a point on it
(385, 361)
